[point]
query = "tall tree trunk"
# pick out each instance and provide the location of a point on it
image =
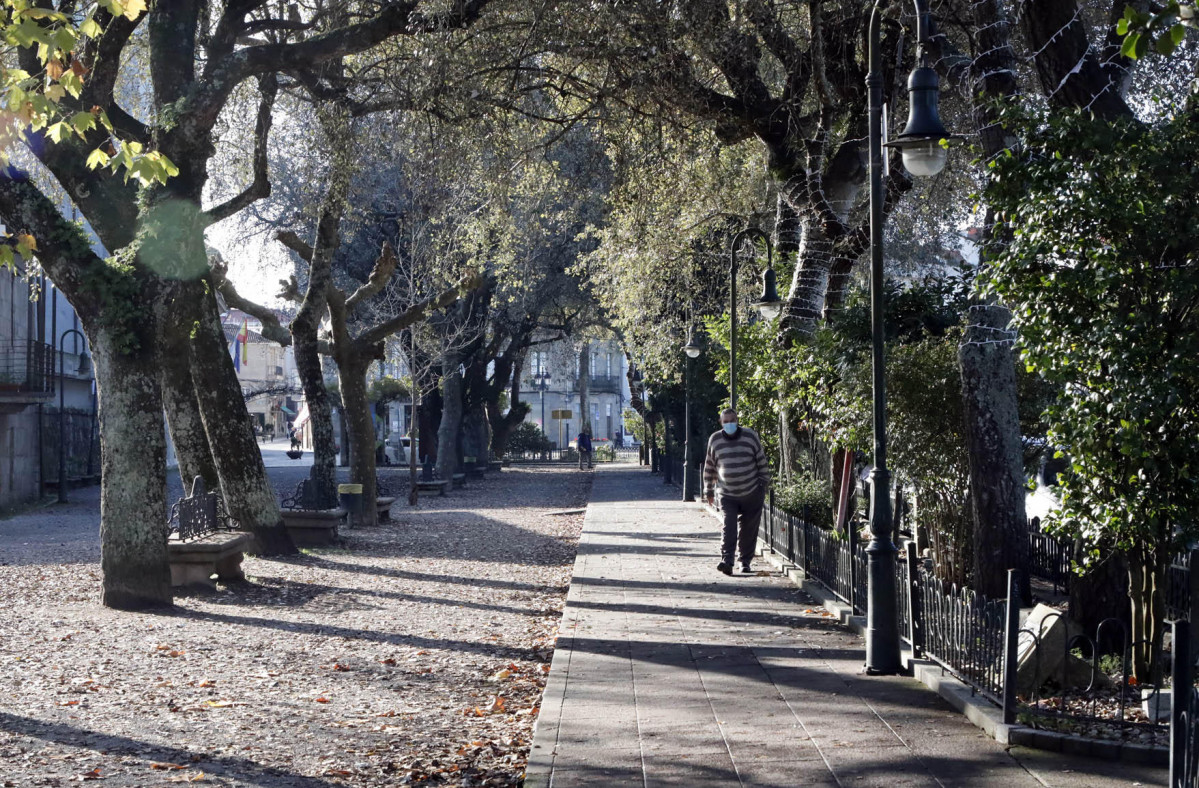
(451, 417)
(133, 539)
(356, 418)
(502, 424)
(584, 384)
(986, 357)
(247, 489)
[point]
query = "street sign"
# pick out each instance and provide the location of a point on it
(562, 414)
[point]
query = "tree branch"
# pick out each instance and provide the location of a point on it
(380, 275)
(272, 329)
(420, 311)
(293, 242)
(268, 86)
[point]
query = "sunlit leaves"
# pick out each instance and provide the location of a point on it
(1163, 29)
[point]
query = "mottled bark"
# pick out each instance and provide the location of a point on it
(355, 415)
(133, 536)
(992, 425)
(183, 410)
(249, 495)
(986, 356)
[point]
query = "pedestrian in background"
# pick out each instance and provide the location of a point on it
(583, 444)
(735, 468)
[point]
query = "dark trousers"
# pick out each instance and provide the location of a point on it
(746, 513)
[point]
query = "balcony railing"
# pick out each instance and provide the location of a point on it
(26, 367)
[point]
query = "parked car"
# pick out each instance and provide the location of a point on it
(396, 448)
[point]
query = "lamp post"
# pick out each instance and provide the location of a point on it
(692, 351)
(921, 143)
(769, 304)
(85, 364)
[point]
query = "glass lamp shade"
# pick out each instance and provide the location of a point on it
(924, 158)
(85, 365)
(692, 350)
(769, 309)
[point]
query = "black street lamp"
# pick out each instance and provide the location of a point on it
(693, 350)
(769, 304)
(922, 143)
(85, 365)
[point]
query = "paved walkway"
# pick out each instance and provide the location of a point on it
(670, 674)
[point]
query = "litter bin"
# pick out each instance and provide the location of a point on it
(350, 498)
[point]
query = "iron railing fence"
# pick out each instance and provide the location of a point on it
(27, 367)
(1079, 678)
(1049, 557)
(836, 562)
(1178, 588)
(963, 632)
(82, 449)
(1184, 711)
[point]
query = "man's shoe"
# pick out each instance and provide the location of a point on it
(726, 568)
(746, 570)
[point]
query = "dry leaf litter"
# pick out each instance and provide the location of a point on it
(414, 653)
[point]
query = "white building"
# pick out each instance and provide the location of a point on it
(550, 382)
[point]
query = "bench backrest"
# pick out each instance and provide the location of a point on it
(199, 514)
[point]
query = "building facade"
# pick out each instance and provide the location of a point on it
(267, 373)
(550, 382)
(39, 336)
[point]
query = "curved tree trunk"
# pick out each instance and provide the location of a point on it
(320, 407)
(247, 490)
(183, 412)
(133, 536)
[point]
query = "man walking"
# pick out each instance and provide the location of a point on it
(583, 444)
(736, 468)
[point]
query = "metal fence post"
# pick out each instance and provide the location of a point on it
(804, 525)
(915, 625)
(1180, 700)
(853, 569)
(1011, 638)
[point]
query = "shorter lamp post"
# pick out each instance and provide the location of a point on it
(85, 365)
(543, 383)
(693, 351)
(769, 303)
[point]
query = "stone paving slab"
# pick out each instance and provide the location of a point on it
(667, 673)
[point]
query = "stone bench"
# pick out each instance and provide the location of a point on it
(433, 485)
(383, 506)
(459, 480)
(496, 465)
(313, 527)
(203, 540)
(194, 562)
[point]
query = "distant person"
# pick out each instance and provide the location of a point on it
(735, 467)
(583, 443)
(295, 439)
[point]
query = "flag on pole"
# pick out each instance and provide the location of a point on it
(240, 349)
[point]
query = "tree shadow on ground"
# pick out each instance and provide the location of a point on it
(279, 592)
(222, 766)
(404, 574)
(335, 631)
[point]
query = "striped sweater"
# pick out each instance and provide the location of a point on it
(735, 464)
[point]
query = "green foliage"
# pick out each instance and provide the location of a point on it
(634, 424)
(807, 492)
(387, 389)
(604, 453)
(527, 437)
(1163, 29)
(1100, 274)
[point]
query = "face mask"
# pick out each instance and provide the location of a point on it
(730, 427)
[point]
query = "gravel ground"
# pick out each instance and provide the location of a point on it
(415, 653)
